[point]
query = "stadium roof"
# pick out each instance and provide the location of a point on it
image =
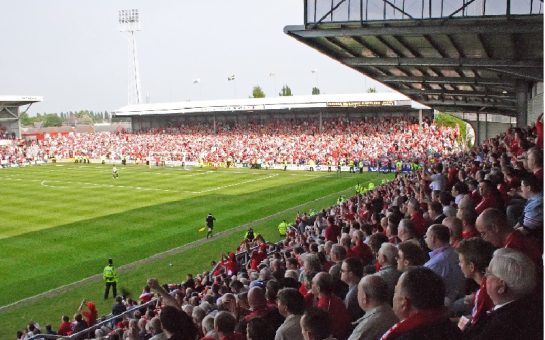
(9, 107)
(11, 101)
(330, 101)
(448, 58)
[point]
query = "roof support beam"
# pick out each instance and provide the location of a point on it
(476, 109)
(466, 104)
(446, 80)
(444, 62)
(495, 95)
(519, 73)
(8, 110)
(375, 52)
(524, 24)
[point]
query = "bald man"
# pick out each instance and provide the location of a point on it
(494, 227)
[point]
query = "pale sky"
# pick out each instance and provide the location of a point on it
(73, 54)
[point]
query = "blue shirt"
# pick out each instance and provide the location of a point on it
(444, 262)
(532, 218)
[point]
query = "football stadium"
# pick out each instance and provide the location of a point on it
(410, 213)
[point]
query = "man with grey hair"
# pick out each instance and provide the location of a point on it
(208, 328)
(327, 249)
(311, 263)
(155, 329)
(379, 317)
(388, 267)
(510, 283)
(406, 231)
(338, 254)
(535, 162)
(455, 227)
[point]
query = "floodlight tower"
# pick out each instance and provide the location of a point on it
(129, 21)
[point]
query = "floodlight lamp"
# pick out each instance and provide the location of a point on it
(129, 20)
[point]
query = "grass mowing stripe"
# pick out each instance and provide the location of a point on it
(157, 224)
(50, 309)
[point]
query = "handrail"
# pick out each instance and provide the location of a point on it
(109, 319)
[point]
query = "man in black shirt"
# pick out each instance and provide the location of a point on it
(210, 224)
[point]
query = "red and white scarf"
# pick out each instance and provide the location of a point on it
(417, 320)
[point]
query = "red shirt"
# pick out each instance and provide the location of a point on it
(475, 197)
(331, 233)
(516, 240)
(340, 319)
(419, 224)
(91, 315)
(145, 297)
(486, 202)
(65, 328)
(234, 336)
(362, 251)
(470, 234)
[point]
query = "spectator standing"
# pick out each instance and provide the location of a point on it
(65, 327)
(118, 307)
(91, 314)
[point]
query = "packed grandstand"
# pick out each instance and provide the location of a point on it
(295, 141)
(451, 250)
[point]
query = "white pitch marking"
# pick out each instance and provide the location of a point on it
(235, 184)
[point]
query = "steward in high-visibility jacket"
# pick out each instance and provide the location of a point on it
(283, 228)
(110, 277)
(250, 234)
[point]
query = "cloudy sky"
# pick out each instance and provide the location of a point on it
(73, 54)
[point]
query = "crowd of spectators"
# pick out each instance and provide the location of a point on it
(278, 141)
(452, 251)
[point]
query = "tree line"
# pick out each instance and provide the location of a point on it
(83, 117)
(257, 92)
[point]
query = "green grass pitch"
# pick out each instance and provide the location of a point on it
(59, 224)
